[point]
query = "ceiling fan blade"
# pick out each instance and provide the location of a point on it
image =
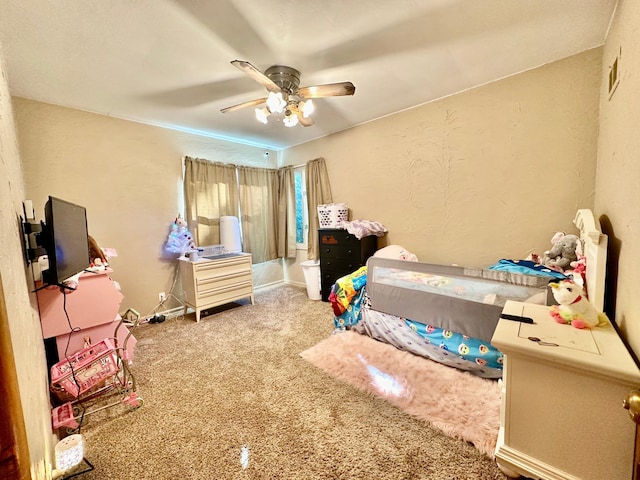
(329, 90)
(305, 121)
(240, 106)
(256, 75)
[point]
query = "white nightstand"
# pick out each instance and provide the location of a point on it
(562, 415)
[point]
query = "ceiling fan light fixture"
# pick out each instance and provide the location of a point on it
(276, 102)
(262, 114)
(290, 119)
(306, 107)
(286, 100)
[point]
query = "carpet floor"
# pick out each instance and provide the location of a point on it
(230, 397)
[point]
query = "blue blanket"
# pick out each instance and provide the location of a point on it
(526, 267)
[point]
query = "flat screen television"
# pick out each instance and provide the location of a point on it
(66, 240)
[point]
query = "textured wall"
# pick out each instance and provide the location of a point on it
(129, 177)
(491, 172)
(618, 177)
(24, 323)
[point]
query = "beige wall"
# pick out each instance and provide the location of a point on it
(129, 177)
(492, 172)
(24, 323)
(618, 179)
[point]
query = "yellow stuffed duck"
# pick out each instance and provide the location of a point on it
(574, 309)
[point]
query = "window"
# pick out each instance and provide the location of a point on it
(265, 208)
(302, 215)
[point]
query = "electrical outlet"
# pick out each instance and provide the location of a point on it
(162, 297)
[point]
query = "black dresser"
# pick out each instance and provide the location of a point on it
(341, 254)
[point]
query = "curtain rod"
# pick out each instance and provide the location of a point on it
(293, 166)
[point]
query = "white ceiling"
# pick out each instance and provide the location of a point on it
(166, 62)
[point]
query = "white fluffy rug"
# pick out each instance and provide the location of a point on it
(461, 405)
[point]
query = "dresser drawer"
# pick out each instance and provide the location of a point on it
(223, 280)
(335, 237)
(341, 251)
(328, 278)
(222, 296)
(218, 292)
(338, 265)
(221, 268)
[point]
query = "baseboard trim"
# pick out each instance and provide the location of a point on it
(270, 284)
(281, 282)
(528, 466)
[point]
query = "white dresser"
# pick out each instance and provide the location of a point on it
(209, 282)
(562, 414)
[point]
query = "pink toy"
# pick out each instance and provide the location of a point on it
(574, 309)
(84, 370)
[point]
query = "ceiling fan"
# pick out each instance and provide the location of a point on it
(285, 96)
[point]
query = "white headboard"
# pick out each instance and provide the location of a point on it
(594, 244)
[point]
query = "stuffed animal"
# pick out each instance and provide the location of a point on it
(96, 254)
(574, 309)
(395, 252)
(563, 251)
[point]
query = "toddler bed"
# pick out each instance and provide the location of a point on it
(448, 313)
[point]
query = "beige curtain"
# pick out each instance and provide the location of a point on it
(318, 193)
(286, 232)
(210, 191)
(258, 189)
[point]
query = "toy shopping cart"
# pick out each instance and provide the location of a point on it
(95, 378)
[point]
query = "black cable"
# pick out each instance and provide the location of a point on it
(71, 331)
(81, 417)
